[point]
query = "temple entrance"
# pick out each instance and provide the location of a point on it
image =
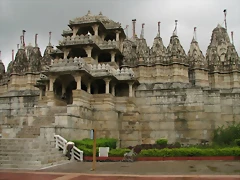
(63, 87)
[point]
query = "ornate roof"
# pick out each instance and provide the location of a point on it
(90, 18)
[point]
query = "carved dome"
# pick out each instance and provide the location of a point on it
(175, 48)
(35, 60)
(46, 59)
(90, 18)
(2, 69)
(195, 56)
(20, 64)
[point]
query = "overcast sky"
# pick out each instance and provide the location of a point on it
(42, 16)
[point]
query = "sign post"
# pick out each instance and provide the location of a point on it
(94, 150)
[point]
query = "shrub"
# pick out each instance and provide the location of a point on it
(225, 136)
(102, 142)
(237, 142)
(118, 152)
(162, 141)
(186, 152)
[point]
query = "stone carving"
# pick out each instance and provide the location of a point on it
(129, 52)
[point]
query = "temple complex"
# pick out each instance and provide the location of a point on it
(98, 78)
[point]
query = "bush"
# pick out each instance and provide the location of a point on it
(225, 136)
(237, 142)
(186, 152)
(102, 142)
(162, 141)
(118, 152)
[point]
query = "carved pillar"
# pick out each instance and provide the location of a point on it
(88, 50)
(78, 80)
(66, 52)
(107, 81)
(113, 56)
(95, 29)
(113, 89)
(40, 95)
(130, 89)
(89, 87)
(51, 80)
(117, 35)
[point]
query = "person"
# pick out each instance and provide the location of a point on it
(68, 149)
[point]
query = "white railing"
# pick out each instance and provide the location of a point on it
(61, 143)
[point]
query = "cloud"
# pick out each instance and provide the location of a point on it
(42, 16)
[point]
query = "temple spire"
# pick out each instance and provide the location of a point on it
(127, 30)
(17, 46)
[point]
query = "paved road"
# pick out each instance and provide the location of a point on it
(163, 170)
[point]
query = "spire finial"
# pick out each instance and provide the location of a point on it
(100, 13)
(225, 18)
(0, 55)
(49, 41)
(36, 45)
(89, 12)
(195, 33)
(23, 39)
(17, 46)
(175, 29)
(134, 23)
(232, 37)
(12, 54)
(159, 28)
(142, 32)
(127, 30)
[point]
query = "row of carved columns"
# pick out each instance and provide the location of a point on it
(78, 79)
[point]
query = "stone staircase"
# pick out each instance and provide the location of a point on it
(28, 153)
(28, 132)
